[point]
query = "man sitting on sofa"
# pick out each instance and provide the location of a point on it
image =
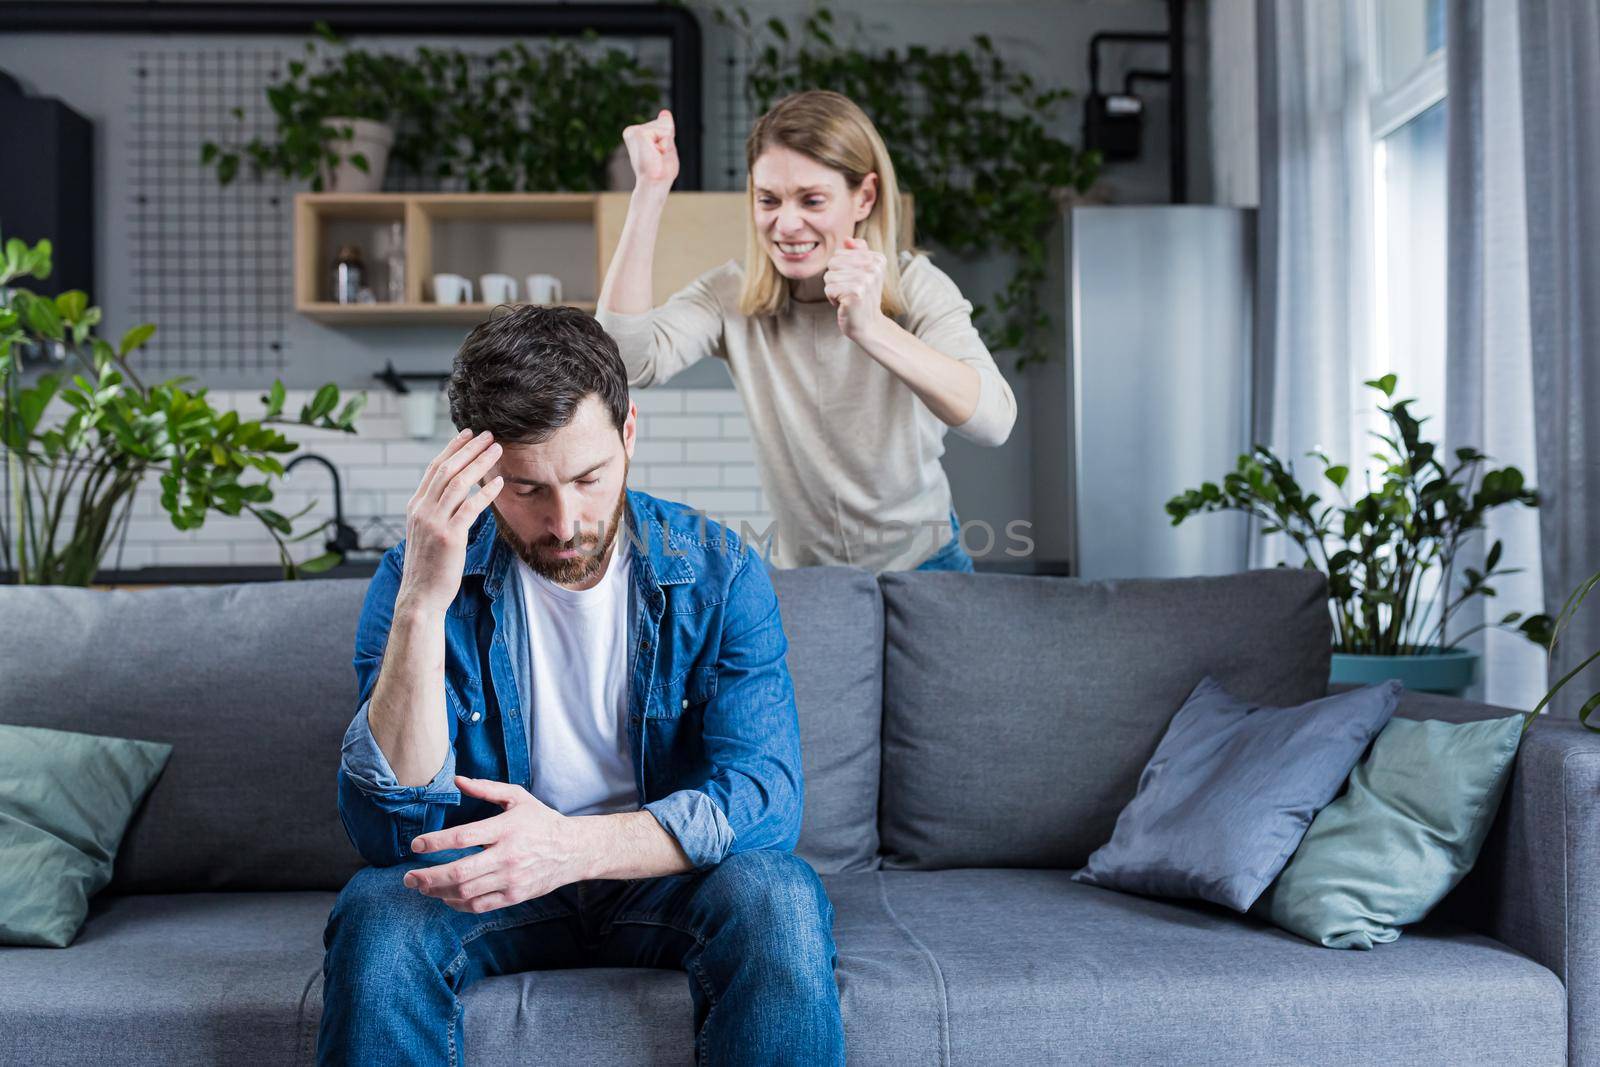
(577, 742)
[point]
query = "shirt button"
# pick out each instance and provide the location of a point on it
(476, 716)
(685, 703)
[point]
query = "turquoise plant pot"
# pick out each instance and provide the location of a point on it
(1449, 672)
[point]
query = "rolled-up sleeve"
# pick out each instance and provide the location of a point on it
(381, 816)
(941, 318)
(755, 797)
(658, 344)
(702, 830)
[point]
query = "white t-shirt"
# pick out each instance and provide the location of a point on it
(577, 725)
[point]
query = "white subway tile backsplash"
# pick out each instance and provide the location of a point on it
(716, 501)
(718, 452)
(654, 450)
(658, 401)
(405, 476)
(410, 453)
(741, 476)
(718, 400)
(685, 427)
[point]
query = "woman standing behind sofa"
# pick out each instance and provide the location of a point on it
(852, 357)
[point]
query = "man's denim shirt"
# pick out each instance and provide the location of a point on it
(711, 716)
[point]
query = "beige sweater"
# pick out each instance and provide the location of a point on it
(848, 454)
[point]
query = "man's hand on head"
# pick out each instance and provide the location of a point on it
(439, 516)
(526, 851)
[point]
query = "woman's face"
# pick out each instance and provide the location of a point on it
(804, 211)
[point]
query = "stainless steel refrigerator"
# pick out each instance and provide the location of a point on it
(1153, 393)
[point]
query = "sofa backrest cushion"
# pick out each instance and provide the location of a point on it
(1019, 711)
(833, 617)
(252, 687)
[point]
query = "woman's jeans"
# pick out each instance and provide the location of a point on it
(952, 557)
(754, 933)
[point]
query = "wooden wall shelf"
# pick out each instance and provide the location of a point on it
(570, 235)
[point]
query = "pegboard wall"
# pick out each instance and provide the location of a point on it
(209, 263)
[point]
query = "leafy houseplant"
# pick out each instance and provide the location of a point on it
(520, 120)
(1568, 611)
(510, 120)
(318, 109)
(1378, 549)
(970, 140)
(72, 484)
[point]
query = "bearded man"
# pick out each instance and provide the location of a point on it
(576, 742)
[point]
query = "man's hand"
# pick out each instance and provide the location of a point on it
(527, 851)
(438, 517)
(854, 282)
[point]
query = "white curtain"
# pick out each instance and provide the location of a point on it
(1559, 51)
(1314, 292)
(1524, 361)
(1489, 370)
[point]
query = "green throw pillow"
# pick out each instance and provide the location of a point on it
(65, 801)
(1403, 835)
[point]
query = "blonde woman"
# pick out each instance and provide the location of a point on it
(852, 356)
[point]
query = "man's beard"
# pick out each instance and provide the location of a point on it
(592, 547)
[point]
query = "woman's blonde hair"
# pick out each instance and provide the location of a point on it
(829, 128)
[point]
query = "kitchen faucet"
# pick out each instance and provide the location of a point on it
(344, 539)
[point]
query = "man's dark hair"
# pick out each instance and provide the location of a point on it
(523, 375)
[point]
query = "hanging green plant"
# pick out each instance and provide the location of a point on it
(524, 120)
(971, 141)
(511, 120)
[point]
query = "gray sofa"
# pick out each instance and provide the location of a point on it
(969, 739)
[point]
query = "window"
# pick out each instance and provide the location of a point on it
(1409, 186)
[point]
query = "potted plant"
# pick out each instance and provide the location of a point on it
(510, 120)
(1549, 640)
(1378, 550)
(335, 121)
(71, 480)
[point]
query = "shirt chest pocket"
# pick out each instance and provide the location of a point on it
(463, 694)
(689, 693)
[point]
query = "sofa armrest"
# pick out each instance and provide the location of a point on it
(1536, 885)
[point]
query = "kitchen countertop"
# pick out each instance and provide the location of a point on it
(366, 566)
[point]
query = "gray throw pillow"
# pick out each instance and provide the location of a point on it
(65, 801)
(1230, 791)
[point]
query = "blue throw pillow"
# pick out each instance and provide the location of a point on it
(1403, 835)
(1230, 791)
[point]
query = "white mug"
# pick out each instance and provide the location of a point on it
(498, 288)
(419, 410)
(452, 289)
(544, 289)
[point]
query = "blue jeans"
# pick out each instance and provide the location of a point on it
(754, 933)
(952, 557)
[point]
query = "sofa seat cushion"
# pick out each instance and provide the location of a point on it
(965, 966)
(1052, 971)
(190, 978)
(888, 988)
(237, 978)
